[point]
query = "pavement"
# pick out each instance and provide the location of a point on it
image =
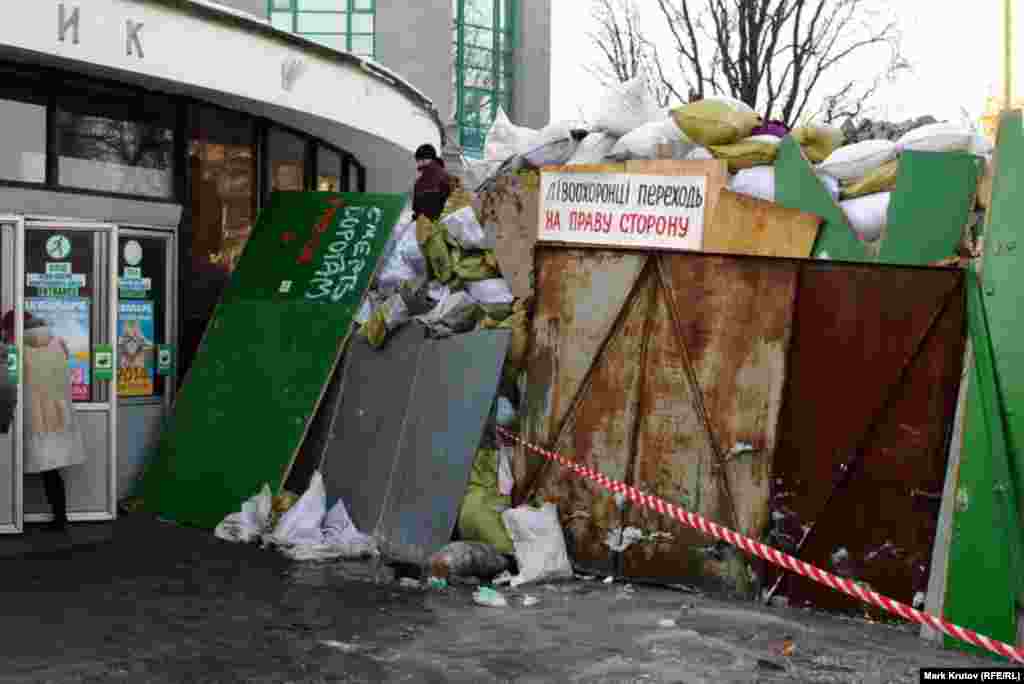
(144, 601)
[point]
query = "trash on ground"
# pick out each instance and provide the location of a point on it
(251, 522)
(609, 579)
(485, 596)
(502, 579)
(530, 601)
(539, 544)
(437, 583)
(410, 583)
(479, 517)
(468, 559)
(667, 623)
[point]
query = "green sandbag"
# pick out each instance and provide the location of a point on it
(480, 515)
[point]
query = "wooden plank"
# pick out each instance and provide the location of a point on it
(930, 207)
(755, 227)
(796, 187)
(261, 373)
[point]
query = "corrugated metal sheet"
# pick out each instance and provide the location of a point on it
(857, 327)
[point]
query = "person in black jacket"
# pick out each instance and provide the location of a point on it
(433, 184)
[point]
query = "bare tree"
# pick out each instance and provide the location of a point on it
(778, 56)
(626, 54)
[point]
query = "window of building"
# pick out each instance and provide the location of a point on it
(23, 112)
(286, 160)
(112, 140)
(222, 155)
(339, 24)
(484, 49)
(328, 170)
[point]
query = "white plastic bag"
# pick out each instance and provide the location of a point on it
(554, 153)
(558, 130)
(464, 227)
(247, 525)
(505, 139)
(642, 142)
(868, 215)
(626, 107)
(506, 481)
(539, 544)
(853, 162)
(339, 539)
(937, 137)
(593, 150)
(453, 314)
(301, 524)
(758, 182)
(491, 291)
(699, 153)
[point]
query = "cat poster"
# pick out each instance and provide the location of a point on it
(136, 367)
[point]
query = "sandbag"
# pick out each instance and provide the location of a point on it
(456, 313)
(490, 291)
(593, 149)
(756, 182)
(558, 130)
(626, 107)
(882, 179)
(754, 151)
(718, 121)
(699, 153)
(303, 522)
(389, 315)
(505, 139)
(818, 142)
(937, 137)
(473, 266)
(642, 143)
(519, 324)
(867, 215)
(482, 506)
(853, 162)
(555, 153)
(464, 228)
(432, 242)
(539, 544)
(248, 524)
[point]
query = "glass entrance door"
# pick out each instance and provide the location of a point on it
(69, 283)
(146, 359)
(11, 510)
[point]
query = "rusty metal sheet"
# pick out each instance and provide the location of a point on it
(734, 316)
(855, 329)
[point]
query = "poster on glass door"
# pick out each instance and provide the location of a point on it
(68, 320)
(136, 367)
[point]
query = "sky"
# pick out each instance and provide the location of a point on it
(956, 55)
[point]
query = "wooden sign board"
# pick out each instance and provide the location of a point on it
(756, 227)
(274, 341)
(662, 207)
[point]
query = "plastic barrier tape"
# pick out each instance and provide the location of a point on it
(775, 556)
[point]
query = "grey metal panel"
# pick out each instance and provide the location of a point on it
(138, 432)
(89, 207)
(362, 445)
(8, 504)
(452, 394)
(88, 484)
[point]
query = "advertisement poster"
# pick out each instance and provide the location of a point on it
(68, 319)
(135, 349)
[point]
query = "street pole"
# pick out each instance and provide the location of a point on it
(1008, 56)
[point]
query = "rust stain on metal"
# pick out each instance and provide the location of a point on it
(850, 341)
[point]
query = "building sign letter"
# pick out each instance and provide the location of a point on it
(64, 22)
(132, 32)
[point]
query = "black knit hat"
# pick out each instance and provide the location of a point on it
(424, 152)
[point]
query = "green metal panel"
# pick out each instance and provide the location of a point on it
(929, 208)
(268, 353)
(984, 573)
(796, 187)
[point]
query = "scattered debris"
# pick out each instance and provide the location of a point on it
(410, 583)
(486, 596)
(530, 601)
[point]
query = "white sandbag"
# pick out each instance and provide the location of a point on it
(476, 171)
(642, 142)
(853, 162)
(555, 153)
(593, 150)
(505, 139)
(464, 227)
(251, 522)
(491, 291)
(868, 215)
(937, 137)
(454, 314)
(980, 145)
(505, 413)
(758, 182)
(370, 304)
(539, 544)
(339, 539)
(736, 105)
(831, 184)
(557, 130)
(699, 154)
(302, 522)
(506, 481)
(626, 107)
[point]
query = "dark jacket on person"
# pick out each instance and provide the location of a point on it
(430, 194)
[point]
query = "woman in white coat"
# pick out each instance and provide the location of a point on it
(52, 438)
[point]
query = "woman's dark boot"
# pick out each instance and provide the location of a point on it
(55, 494)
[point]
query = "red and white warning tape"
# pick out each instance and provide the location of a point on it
(774, 556)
